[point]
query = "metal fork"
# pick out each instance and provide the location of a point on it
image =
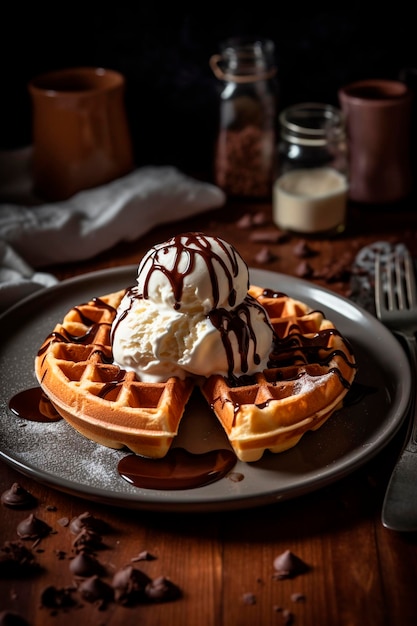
(396, 308)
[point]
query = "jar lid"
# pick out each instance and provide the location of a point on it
(312, 124)
(244, 60)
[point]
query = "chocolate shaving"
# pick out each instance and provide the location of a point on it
(16, 560)
(54, 598)
(143, 556)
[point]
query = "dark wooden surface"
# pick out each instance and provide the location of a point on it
(360, 572)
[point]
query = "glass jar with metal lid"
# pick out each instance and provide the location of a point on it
(311, 187)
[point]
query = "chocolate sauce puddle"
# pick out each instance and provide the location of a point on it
(179, 469)
(33, 405)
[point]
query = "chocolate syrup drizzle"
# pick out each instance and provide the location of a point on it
(202, 248)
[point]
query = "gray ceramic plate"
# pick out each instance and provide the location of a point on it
(58, 456)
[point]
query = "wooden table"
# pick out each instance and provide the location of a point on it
(360, 572)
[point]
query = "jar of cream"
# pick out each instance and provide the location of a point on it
(311, 186)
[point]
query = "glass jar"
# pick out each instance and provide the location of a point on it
(244, 152)
(311, 187)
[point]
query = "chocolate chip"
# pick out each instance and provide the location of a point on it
(288, 617)
(93, 589)
(288, 565)
(265, 256)
(304, 270)
(303, 250)
(162, 589)
(87, 540)
(85, 565)
(33, 528)
(249, 598)
(9, 618)
(18, 498)
(298, 597)
(129, 585)
(87, 520)
(260, 218)
(245, 221)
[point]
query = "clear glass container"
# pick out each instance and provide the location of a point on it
(311, 186)
(245, 148)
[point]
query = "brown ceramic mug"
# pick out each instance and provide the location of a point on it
(378, 123)
(80, 131)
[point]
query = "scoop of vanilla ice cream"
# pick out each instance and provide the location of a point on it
(193, 272)
(190, 314)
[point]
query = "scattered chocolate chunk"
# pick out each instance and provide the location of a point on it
(249, 598)
(143, 556)
(16, 560)
(54, 598)
(303, 250)
(87, 520)
(94, 589)
(87, 540)
(85, 565)
(33, 528)
(268, 236)
(61, 554)
(162, 589)
(9, 618)
(245, 221)
(18, 498)
(51, 507)
(260, 218)
(304, 270)
(298, 597)
(288, 565)
(288, 617)
(129, 585)
(265, 255)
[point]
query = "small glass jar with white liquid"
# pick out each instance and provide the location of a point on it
(311, 187)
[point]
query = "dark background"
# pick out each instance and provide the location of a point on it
(164, 52)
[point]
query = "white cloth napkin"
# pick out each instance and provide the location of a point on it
(32, 237)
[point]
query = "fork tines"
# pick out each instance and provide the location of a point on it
(395, 283)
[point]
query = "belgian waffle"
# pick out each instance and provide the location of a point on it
(108, 405)
(310, 370)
